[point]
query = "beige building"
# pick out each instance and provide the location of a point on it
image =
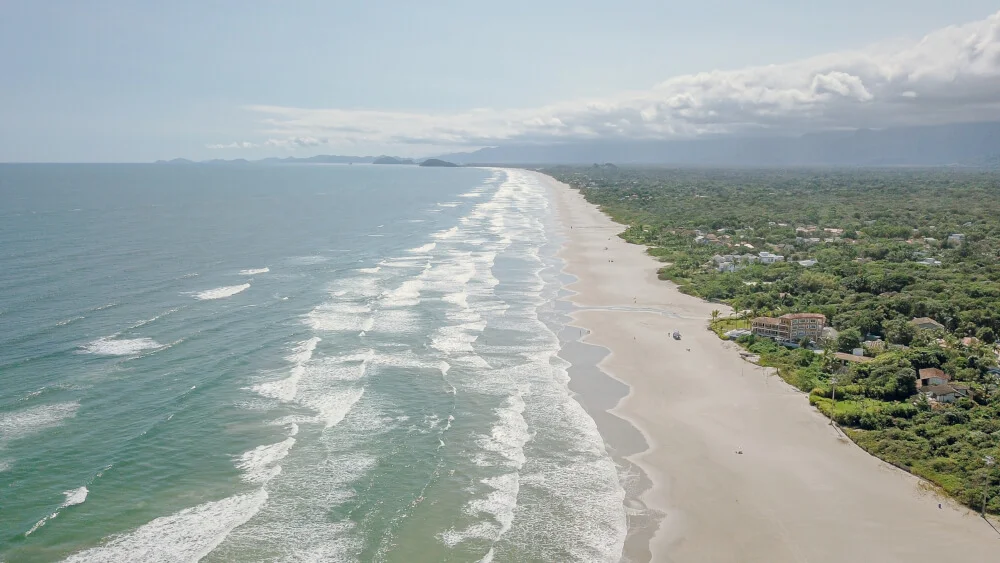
(791, 327)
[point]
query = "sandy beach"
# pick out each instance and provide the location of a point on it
(800, 491)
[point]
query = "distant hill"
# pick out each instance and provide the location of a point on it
(438, 162)
(392, 160)
(970, 144)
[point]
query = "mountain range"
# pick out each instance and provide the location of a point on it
(966, 144)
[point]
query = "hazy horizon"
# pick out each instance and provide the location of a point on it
(112, 82)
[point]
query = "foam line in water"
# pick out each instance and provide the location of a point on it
(423, 249)
(260, 464)
(111, 346)
(446, 234)
(221, 292)
(73, 498)
(145, 322)
(188, 535)
(286, 389)
(21, 424)
(254, 271)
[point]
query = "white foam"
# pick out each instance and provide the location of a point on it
(73, 497)
(423, 249)
(23, 423)
(457, 338)
(333, 407)
(446, 234)
(68, 321)
(499, 504)
(459, 298)
(255, 271)
(449, 204)
(374, 270)
(145, 322)
(188, 535)
(286, 389)
(260, 464)
(340, 317)
(110, 346)
(508, 436)
(221, 292)
(307, 260)
(406, 295)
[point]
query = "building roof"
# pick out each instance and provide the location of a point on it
(852, 358)
(766, 320)
(933, 372)
(804, 316)
(939, 390)
(926, 321)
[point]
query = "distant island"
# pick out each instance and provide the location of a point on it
(393, 160)
(438, 162)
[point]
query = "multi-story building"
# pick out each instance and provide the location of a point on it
(791, 327)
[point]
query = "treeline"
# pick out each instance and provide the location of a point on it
(884, 251)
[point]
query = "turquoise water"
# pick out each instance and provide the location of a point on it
(298, 363)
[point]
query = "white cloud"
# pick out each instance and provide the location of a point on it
(234, 145)
(950, 75)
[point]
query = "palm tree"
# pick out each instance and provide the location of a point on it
(715, 316)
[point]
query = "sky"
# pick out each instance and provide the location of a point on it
(117, 81)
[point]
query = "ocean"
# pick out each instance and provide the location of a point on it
(290, 363)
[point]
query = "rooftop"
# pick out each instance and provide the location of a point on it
(852, 358)
(804, 316)
(933, 372)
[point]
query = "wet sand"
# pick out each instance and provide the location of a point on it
(681, 410)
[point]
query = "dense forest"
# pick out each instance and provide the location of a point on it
(872, 250)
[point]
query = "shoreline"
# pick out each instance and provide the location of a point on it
(739, 465)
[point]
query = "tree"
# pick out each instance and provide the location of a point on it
(715, 316)
(849, 339)
(987, 335)
(899, 331)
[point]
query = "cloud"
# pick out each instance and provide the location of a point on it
(951, 75)
(287, 143)
(234, 145)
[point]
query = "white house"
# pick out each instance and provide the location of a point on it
(929, 262)
(956, 238)
(768, 258)
(807, 263)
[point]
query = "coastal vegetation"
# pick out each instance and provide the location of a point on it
(872, 250)
(438, 162)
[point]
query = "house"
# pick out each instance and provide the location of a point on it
(768, 258)
(957, 238)
(791, 327)
(929, 377)
(926, 323)
(929, 262)
(807, 263)
(945, 393)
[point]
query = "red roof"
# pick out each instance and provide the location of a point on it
(934, 372)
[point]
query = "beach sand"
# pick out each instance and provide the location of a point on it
(800, 491)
